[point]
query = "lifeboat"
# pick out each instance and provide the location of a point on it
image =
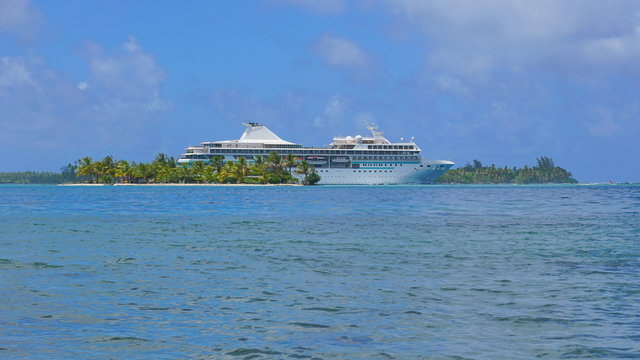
(340, 159)
(316, 160)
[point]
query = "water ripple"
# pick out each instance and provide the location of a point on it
(404, 272)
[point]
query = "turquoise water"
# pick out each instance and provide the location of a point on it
(395, 272)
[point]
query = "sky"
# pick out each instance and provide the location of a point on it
(501, 81)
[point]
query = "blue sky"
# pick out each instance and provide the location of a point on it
(496, 80)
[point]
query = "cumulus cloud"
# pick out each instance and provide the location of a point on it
(318, 6)
(44, 107)
(341, 53)
(13, 72)
(131, 76)
(19, 17)
(333, 111)
(344, 54)
(32, 101)
(452, 84)
(475, 37)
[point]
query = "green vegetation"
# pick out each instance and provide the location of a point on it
(545, 172)
(272, 169)
(66, 174)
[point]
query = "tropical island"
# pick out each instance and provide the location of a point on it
(272, 169)
(545, 172)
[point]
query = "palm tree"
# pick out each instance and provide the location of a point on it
(198, 170)
(303, 168)
(171, 162)
(275, 166)
(86, 167)
(311, 177)
(165, 174)
(290, 162)
(216, 162)
(545, 162)
(184, 173)
(241, 170)
(105, 169)
(227, 173)
(144, 171)
(123, 171)
(258, 160)
(161, 159)
(210, 174)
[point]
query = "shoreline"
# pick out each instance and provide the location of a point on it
(180, 185)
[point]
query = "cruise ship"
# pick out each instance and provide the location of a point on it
(350, 160)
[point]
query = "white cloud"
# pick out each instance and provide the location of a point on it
(32, 102)
(333, 112)
(46, 108)
(341, 53)
(13, 72)
(452, 84)
(132, 45)
(364, 118)
(318, 6)
(475, 37)
(18, 17)
(127, 79)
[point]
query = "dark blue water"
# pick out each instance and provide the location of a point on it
(395, 272)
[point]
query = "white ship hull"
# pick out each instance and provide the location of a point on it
(409, 173)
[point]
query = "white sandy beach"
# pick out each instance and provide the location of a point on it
(180, 185)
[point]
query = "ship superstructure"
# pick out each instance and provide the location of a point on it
(347, 160)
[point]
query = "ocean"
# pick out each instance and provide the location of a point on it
(325, 272)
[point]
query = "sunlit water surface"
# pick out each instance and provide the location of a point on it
(394, 272)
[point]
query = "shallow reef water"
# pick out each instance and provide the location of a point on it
(325, 272)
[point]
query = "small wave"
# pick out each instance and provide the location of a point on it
(581, 352)
(353, 340)
(245, 352)
(326, 309)
(124, 338)
(309, 325)
(44, 265)
(533, 319)
(153, 308)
